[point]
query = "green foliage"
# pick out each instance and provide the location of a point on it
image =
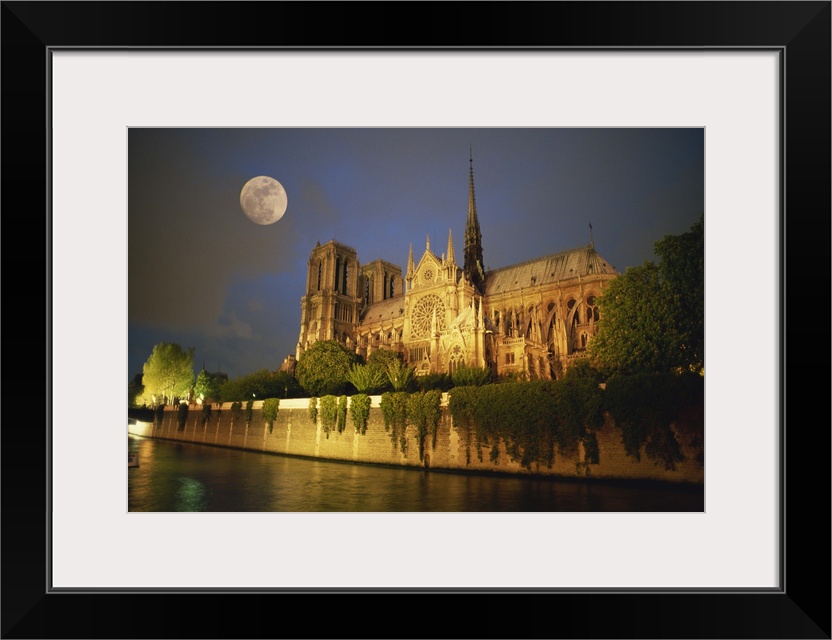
(313, 410)
(160, 414)
(135, 391)
(207, 386)
(580, 410)
(249, 410)
(236, 411)
(168, 373)
(400, 375)
(439, 381)
(322, 369)
(644, 406)
(270, 409)
(423, 412)
(466, 376)
(380, 361)
(206, 414)
(682, 262)
(652, 316)
(360, 412)
(329, 413)
(591, 453)
(530, 418)
(635, 332)
(182, 416)
(342, 414)
(394, 411)
(367, 379)
(511, 376)
(261, 384)
(583, 369)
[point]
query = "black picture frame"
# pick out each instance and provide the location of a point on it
(800, 608)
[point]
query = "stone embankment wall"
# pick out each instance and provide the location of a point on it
(294, 433)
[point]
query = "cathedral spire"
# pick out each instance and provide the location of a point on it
(451, 258)
(410, 262)
(473, 238)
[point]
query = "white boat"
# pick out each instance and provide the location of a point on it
(132, 460)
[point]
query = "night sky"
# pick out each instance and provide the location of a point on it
(201, 274)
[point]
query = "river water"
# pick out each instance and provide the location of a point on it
(178, 476)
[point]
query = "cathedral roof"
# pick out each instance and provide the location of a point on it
(383, 311)
(581, 261)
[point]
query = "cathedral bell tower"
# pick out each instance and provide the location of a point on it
(473, 265)
(329, 310)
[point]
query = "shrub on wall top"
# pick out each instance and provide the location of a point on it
(182, 415)
(360, 412)
(342, 414)
(530, 418)
(329, 413)
(270, 409)
(236, 410)
(645, 405)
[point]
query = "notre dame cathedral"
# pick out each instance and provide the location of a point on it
(527, 320)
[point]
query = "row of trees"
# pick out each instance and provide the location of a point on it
(168, 376)
(326, 368)
(652, 321)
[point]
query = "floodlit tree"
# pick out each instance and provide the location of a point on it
(366, 379)
(400, 375)
(379, 361)
(465, 376)
(652, 316)
(135, 391)
(168, 373)
(322, 369)
(207, 386)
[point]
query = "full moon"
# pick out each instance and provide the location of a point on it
(263, 200)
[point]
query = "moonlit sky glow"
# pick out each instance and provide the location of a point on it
(202, 275)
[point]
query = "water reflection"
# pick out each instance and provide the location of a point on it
(175, 476)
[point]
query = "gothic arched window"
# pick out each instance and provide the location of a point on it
(337, 273)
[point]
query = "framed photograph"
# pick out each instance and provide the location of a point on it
(755, 76)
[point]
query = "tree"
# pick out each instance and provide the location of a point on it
(379, 361)
(135, 391)
(322, 369)
(168, 373)
(401, 376)
(207, 386)
(465, 376)
(366, 379)
(683, 272)
(260, 385)
(652, 316)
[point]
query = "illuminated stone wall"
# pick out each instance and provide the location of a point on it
(294, 433)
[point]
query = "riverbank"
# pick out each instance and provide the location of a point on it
(294, 433)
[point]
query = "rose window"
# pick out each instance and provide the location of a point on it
(422, 317)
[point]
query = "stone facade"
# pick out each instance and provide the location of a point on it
(528, 320)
